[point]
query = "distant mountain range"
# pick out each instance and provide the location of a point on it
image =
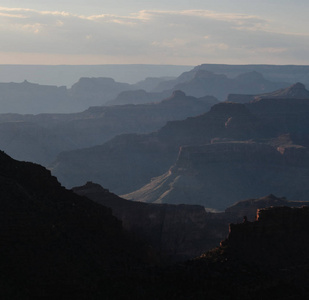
(199, 82)
(39, 138)
(67, 75)
(30, 98)
(230, 152)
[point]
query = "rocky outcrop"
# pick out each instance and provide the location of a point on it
(277, 238)
(266, 259)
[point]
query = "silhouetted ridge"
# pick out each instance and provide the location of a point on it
(54, 242)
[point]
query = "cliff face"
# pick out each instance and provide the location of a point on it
(137, 159)
(219, 174)
(265, 259)
(278, 238)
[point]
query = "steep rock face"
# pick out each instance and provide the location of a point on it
(178, 232)
(216, 175)
(277, 238)
(224, 120)
(54, 242)
(284, 116)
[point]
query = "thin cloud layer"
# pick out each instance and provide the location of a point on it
(175, 37)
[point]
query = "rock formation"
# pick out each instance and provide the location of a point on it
(56, 243)
(265, 259)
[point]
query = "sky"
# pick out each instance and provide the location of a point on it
(154, 32)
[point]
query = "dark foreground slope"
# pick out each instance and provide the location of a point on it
(179, 232)
(265, 259)
(55, 243)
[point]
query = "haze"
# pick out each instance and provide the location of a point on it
(173, 32)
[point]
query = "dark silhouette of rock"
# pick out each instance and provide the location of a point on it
(265, 259)
(177, 232)
(56, 243)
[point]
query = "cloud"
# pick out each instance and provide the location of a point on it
(187, 36)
